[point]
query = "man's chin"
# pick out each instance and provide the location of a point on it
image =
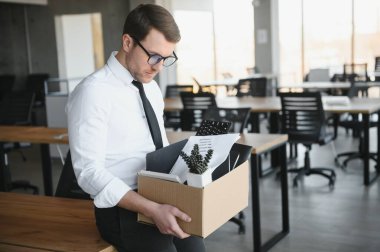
(147, 79)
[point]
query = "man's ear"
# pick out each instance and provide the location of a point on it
(127, 42)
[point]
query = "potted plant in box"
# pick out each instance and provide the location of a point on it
(198, 165)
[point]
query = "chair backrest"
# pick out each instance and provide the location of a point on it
(198, 101)
(36, 83)
(237, 116)
(256, 87)
(377, 64)
(194, 106)
(67, 185)
(173, 91)
(303, 117)
(355, 72)
(16, 108)
(6, 83)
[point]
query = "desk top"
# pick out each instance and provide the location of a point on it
(32, 134)
(273, 104)
(43, 223)
(260, 142)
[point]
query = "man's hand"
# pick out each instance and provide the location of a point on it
(164, 216)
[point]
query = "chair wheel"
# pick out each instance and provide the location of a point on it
(241, 230)
(331, 184)
(295, 184)
(241, 216)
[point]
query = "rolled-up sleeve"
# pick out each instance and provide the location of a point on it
(88, 115)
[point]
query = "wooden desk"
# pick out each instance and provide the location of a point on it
(261, 143)
(38, 135)
(364, 106)
(40, 223)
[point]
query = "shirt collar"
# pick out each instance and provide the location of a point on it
(119, 70)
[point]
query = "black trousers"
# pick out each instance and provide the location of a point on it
(120, 228)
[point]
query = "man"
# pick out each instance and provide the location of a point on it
(111, 131)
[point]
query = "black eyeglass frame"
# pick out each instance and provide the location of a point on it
(156, 57)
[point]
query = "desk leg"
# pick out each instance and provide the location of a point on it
(4, 175)
(256, 224)
(284, 190)
(256, 219)
(46, 170)
(274, 128)
(366, 148)
(378, 144)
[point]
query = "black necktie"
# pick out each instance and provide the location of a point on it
(150, 116)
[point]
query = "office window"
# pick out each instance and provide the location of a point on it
(367, 32)
(215, 42)
(290, 27)
(327, 34)
(234, 37)
(195, 50)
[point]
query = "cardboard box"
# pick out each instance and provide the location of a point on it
(209, 207)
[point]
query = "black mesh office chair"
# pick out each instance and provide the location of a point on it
(239, 119)
(194, 105)
(68, 185)
(237, 116)
(377, 68)
(354, 123)
(6, 84)
(172, 119)
(256, 87)
(36, 83)
(16, 109)
(303, 119)
(355, 72)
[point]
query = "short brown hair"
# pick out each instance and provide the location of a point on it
(147, 16)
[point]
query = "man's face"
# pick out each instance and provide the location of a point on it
(137, 58)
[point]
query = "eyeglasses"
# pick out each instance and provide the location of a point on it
(156, 58)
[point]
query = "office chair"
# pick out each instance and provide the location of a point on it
(194, 105)
(6, 84)
(239, 119)
(303, 119)
(68, 185)
(237, 116)
(354, 123)
(355, 72)
(256, 87)
(172, 119)
(377, 68)
(16, 109)
(36, 83)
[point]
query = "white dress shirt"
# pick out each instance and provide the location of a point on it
(108, 132)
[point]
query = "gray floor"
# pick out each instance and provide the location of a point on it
(344, 219)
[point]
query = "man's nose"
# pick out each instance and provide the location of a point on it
(158, 66)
